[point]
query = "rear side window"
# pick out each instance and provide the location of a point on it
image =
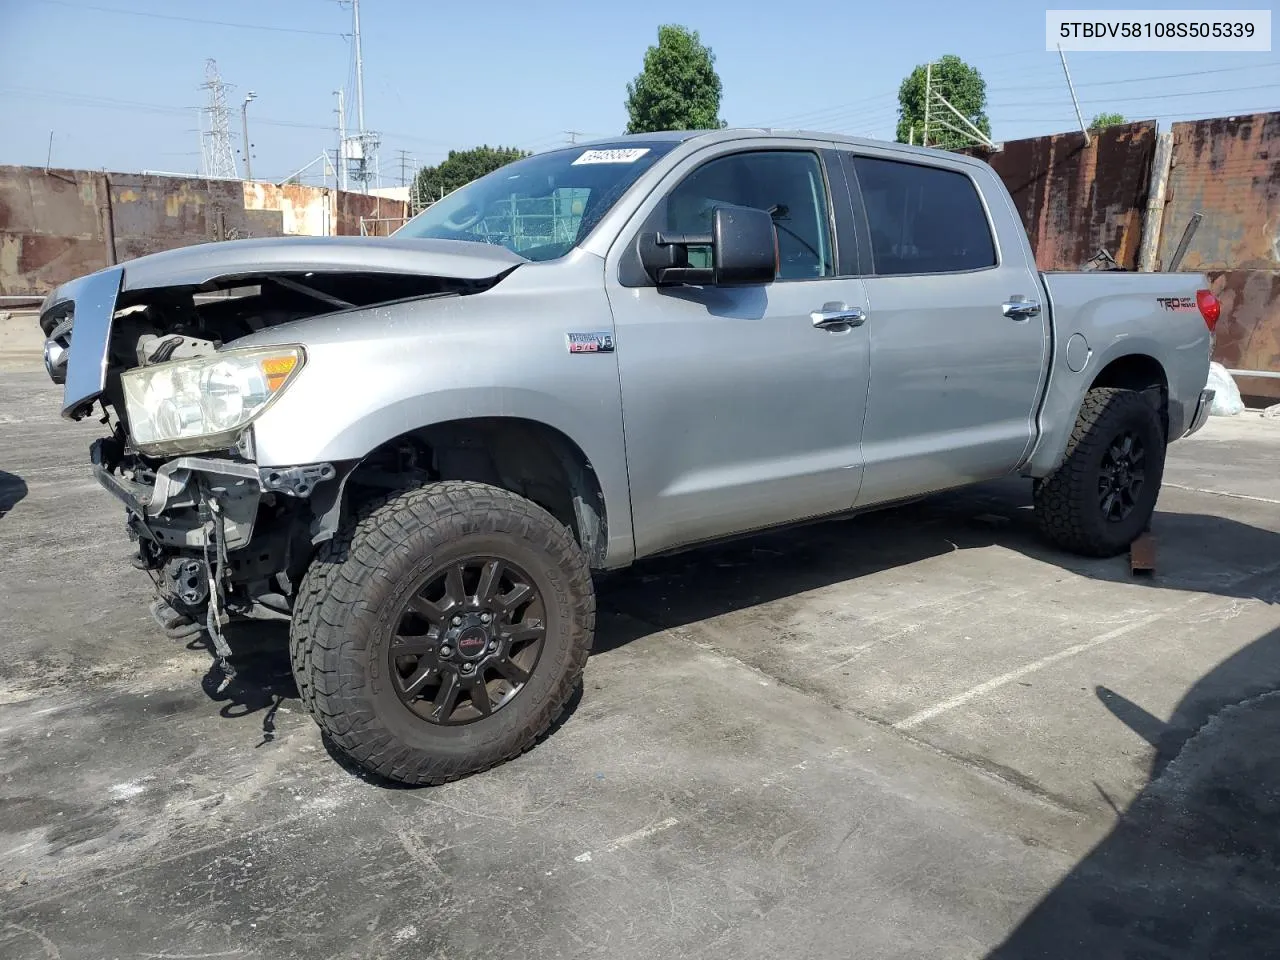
(923, 219)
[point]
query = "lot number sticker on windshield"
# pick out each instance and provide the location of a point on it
(629, 155)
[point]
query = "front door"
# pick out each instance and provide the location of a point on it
(742, 407)
(955, 373)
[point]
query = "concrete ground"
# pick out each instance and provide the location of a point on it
(920, 733)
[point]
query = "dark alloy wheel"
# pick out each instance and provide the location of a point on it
(443, 630)
(1103, 495)
(1121, 476)
(467, 640)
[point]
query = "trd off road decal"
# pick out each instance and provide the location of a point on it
(590, 342)
(1177, 303)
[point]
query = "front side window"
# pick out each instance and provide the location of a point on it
(542, 206)
(923, 219)
(787, 183)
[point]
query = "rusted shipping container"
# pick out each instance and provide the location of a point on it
(1075, 199)
(59, 224)
(1228, 170)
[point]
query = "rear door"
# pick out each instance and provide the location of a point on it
(958, 335)
(742, 406)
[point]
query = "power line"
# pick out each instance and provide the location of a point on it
(1111, 83)
(1243, 112)
(212, 23)
(855, 118)
(827, 114)
(113, 103)
(1121, 99)
(806, 117)
(837, 117)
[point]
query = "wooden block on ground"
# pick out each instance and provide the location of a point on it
(1142, 554)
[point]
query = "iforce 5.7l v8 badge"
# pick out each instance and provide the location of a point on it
(590, 342)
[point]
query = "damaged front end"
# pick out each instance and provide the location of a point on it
(152, 345)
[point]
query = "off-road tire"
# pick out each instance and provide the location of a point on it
(1067, 501)
(358, 582)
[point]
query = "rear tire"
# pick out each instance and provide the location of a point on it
(1103, 495)
(442, 631)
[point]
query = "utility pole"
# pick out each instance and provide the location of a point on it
(573, 136)
(355, 13)
(364, 157)
(928, 100)
(244, 127)
(1072, 90)
(342, 141)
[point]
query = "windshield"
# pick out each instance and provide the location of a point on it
(542, 206)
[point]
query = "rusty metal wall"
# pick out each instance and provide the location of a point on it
(1075, 198)
(1228, 170)
(352, 207)
(51, 227)
(59, 224)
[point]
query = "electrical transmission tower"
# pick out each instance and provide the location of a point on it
(406, 164)
(219, 157)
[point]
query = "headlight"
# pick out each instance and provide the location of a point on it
(192, 405)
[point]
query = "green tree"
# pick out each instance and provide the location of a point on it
(962, 86)
(460, 168)
(1106, 120)
(678, 89)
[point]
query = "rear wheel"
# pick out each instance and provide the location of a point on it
(1102, 497)
(443, 631)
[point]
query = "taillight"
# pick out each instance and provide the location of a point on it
(1210, 308)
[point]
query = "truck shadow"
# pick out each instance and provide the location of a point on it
(12, 490)
(1192, 867)
(1196, 552)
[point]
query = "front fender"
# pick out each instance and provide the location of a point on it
(374, 374)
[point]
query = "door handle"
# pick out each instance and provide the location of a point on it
(837, 315)
(1020, 308)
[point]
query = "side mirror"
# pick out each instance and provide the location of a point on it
(743, 245)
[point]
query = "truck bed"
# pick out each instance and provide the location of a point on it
(1100, 318)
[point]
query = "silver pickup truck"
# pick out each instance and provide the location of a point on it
(417, 449)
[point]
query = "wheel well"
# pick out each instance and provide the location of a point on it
(526, 457)
(1143, 374)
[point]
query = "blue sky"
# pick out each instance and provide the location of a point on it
(122, 90)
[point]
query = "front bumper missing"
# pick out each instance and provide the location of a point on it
(168, 512)
(1201, 416)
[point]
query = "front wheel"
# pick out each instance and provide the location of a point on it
(443, 631)
(1102, 497)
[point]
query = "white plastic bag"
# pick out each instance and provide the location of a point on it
(1226, 397)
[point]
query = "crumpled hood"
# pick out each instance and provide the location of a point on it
(82, 311)
(205, 262)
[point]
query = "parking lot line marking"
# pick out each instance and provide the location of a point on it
(1004, 679)
(629, 838)
(1220, 493)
